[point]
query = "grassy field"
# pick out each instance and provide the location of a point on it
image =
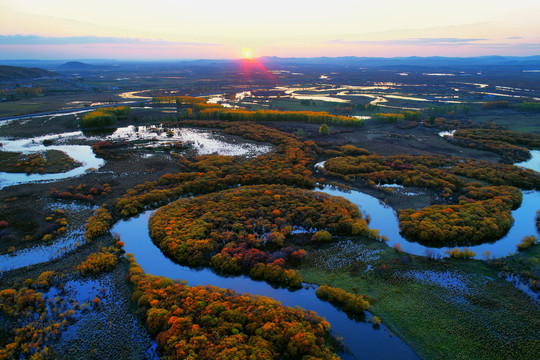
(446, 309)
(513, 120)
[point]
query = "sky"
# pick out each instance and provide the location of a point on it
(209, 29)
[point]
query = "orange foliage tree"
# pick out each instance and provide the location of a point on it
(212, 323)
(234, 230)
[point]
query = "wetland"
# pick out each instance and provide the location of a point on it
(168, 225)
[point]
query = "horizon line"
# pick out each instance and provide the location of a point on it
(279, 57)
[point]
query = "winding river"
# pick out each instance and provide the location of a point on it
(360, 338)
(385, 219)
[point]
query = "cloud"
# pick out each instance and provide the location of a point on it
(80, 40)
(514, 38)
(409, 41)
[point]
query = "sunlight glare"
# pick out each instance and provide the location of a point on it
(247, 53)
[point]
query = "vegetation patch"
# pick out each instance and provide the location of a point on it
(102, 261)
(212, 323)
(353, 305)
(511, 145)
(471, 221)
(249, 229)
(525, 264)
(82, 192)
(32, 323)
(444, 308)
(473, 213)
(104, 116)
(289, 165)
(98, 224)
(45, 162)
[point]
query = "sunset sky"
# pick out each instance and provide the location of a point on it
(174, 29)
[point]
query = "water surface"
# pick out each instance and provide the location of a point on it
(385, 219)
(362, 340)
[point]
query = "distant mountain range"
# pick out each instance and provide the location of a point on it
(434, 61)
(12, 73)
(413, 63)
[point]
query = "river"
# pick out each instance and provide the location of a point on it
(360, 338)
(385, 219)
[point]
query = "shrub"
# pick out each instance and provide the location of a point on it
(324, 129)
(461, 254)
(98, 224)
(350, 303)
(98, 118)
(322, 236)
(105, 260)
(527, 242)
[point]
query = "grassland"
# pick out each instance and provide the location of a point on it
(446, 309)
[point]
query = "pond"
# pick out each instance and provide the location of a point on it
(385, 219)
(360, 338)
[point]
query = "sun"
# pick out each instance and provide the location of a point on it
(247, 53)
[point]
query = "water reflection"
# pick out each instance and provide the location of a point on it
(65, 243)
(80, 153)
(204, 142)
(360, 338)
(385, 219)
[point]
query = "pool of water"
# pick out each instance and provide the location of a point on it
(80, 153)
(360, 338)
(385, 219)
(61, 245)
(203, 141)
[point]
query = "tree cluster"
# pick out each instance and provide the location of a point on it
(289, 165)
(527, 242)
(529, 106)
(212, 323)
(353, 305)
(319, 117)
(98, 224)
(510, 145)
(479, 213)
(469, 222)
(407, 170)
(234, 230)
(104, 116)
(178, 100)
(500, 104)
(498, 174)
(530, 140)
(102, 261)
(461, 254)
